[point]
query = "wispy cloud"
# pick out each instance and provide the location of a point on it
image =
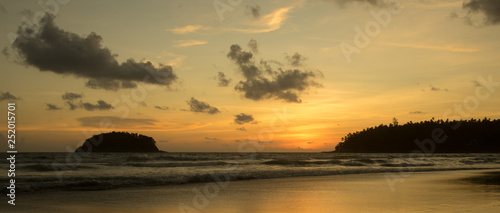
(211, 139)
(417, 112)
(116, 121)
(186, 29)
(451, 48)
(52, 107)
(270, 22)
(187, 43)
(8, 96)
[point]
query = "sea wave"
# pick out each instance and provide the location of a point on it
(111, 182)
(103, 171)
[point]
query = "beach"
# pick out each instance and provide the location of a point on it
(439, 191)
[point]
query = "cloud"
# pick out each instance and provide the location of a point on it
(8, 96)
(186, 29)
(270, 22)
(254, 11)
(342, 3)
(5, 52)
(452, 48)
(118, 122)
(187, 43)
(278, 84)
(211, 139)
(162, 107)
(109, 84)
(74, 101)
(52, 107)
(200, 106)
(253, 45)
(50, 48)
(296, 59)
(101, 105)
(437, 89)
(251, 141)
(490, 9)
(243, 118)
(72, 106)
(417, 112)
(476, 83)
(310, 142)
(241, 129)
(71, 96)
(223, 81)
(2, 9)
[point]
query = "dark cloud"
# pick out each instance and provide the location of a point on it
(253, 45)
(71, 96)
(295, 60)
(342, 3)
(249, 141)
(74, 101)
(109, 84)
(162, 107)
(50, 48)
(73, 106)
(53, 107)
(223, 81)
(8, 96)
(200, 106)
(5, 52)
(254, 11)
(241, 129)
(278, 84)
(310, 142)
(417, 112)
(2, 8)
(433, 88)
(117, 122)
(437, 89)
(489, 8)
(476, 83)
(243, 118)
(211, 139)
(101, 105)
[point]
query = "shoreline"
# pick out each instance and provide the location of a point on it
(445, 191)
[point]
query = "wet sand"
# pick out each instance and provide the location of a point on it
(443, 191)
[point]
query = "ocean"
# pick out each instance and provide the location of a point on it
(104, 171)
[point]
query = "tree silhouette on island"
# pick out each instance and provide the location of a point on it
(434, 136)
(119, 142)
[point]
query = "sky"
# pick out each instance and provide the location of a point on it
(222, 75)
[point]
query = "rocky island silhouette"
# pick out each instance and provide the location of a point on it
(119, 142)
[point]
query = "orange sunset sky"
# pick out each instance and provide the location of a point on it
(209, 75)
